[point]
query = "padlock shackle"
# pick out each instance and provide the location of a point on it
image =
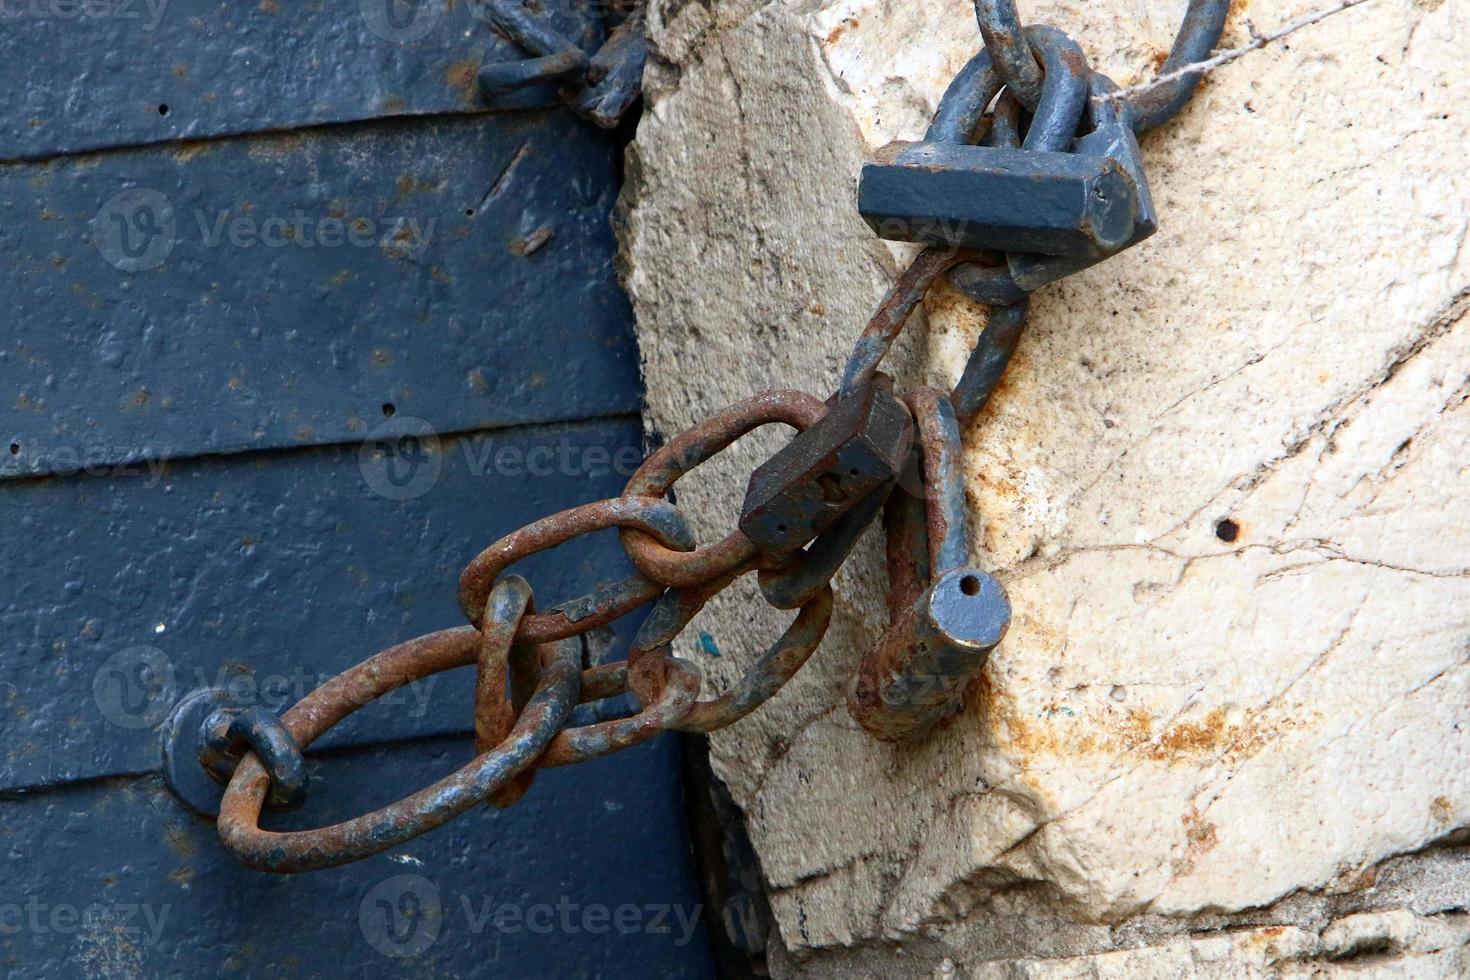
(1104, 108)
(1063, 94)
(1063, 90)
(965, 101)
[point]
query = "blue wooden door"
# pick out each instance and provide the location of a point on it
(295, 325)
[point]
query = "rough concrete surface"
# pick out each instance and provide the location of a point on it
(1225, 483)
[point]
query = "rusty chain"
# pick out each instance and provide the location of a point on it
(1025, 94)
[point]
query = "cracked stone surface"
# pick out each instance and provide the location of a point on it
(1224, 482)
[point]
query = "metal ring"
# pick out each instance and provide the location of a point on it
(904, 296)
(228, 735)
(535, 33)
(502, 662)
(1005, 39)
(1063, 92)
(678, 683)
(375, 832)
(989, 360)
(963, 104)
(759, 684)
(946, 511)
(682, 454)
(1198, 34)
(659, 519)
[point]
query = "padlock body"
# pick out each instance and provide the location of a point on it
(963, 196)
(1117, 142)
(852, 452)
(917, 675)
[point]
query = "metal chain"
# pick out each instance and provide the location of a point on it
(856, 454)
(601, 87)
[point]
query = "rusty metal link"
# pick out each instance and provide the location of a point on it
(601, 87)
(227, 735)
(860, 452)
(682, 568)
(945, 615)
(1198, 34)
(761, 682)
(1005, 39)
(658, 519)
(304, 850)
(505, 676)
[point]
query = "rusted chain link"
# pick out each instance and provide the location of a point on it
(861, 452)
(601, 87)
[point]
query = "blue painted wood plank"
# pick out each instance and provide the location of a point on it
(91, 74)
(123, 592)
(291, 289)
(587, 877)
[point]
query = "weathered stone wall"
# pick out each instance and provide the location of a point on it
(1182, 734)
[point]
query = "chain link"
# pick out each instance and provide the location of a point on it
(945, 616)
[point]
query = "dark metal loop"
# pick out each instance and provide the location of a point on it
(614, 80)
(532, 31)
(239, 818)
(1199, 32)
(601, 88)
(1197, 37)
(691, 567)
(1005, 39)
(964, 103)
(229, 734)
(505, 675)
(1103, 105)
(944, 490)
(989, 360)
(1058, 113)
(1055, 117)
(659, 519)
(808, 572)
(503, 77)
(759, 684)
